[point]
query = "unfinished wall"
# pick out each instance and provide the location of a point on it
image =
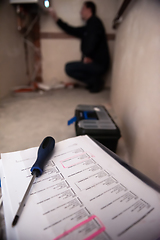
(57, 51)
(12, 57)
(136, 85)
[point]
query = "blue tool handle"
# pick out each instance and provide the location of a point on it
(44, 152)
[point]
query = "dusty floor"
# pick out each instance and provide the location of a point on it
(26, 118)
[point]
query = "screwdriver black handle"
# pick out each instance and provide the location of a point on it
(44, 152)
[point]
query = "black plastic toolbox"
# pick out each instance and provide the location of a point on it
(96, 122)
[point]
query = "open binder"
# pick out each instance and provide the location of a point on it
(86, 192)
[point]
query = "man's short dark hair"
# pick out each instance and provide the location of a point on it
(92, 6)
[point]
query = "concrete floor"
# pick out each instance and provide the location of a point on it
(26, 118)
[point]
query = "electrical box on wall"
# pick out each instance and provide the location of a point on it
(42, 3)
(46, 3)
(24, 1)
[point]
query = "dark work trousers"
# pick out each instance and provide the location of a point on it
(89, 73)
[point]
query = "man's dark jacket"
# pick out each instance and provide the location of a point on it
(93, 39)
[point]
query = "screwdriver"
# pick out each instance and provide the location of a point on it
(44, 152)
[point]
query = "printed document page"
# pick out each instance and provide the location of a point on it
(82, 194)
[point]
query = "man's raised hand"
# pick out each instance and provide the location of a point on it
(53, 14)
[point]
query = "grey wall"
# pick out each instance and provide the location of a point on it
(12, 57)
(136, 85)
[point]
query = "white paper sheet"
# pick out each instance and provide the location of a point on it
(83, 194)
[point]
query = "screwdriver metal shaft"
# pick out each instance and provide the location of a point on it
(44, 152)
(23, 202)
